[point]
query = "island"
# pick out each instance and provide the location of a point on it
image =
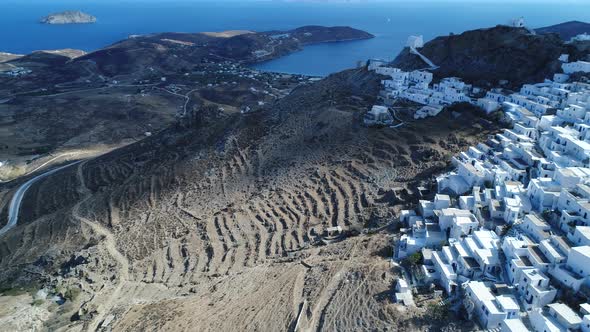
(69, 17)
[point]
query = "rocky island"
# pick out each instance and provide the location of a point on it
(69, 17)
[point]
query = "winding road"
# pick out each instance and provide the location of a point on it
(17, 199)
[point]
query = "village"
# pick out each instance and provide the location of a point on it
(506, 238)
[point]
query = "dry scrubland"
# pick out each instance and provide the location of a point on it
(214, 226)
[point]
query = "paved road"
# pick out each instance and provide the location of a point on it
(17, 199)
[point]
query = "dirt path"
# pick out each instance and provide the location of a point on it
(186, 97)
(110, 245)
(315, 322)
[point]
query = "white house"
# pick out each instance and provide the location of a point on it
(445, 264)
(483, 248)
(513, 325)
(564, 58)
(534, 289)
(536, 228)
(378, 115)
(456, 222)
(488, 105)
(581, 37)
(578, 66)
(556, 317)
(575, 271)
(404, 293)
(424, 235)
(489, 310)
(543, 193)
(581, 236)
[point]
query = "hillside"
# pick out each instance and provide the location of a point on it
(204, 190)
(487, 56)
(62, 103)
(200, 215)
(566, 30)
(175, 51)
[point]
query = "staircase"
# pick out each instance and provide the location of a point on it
(413, 50)
(495, 329)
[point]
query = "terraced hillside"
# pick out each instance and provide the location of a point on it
(225, 215)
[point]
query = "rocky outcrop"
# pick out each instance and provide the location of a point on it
(69, 17)
(488, 56)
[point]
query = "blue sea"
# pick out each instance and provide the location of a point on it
(390, 21)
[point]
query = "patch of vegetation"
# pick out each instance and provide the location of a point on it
(385, 252)
(438, 312)
(546, 214)
(506, 229)
(414, 259)
(72, 293)
(19, 290)
(37, 302)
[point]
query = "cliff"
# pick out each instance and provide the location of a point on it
(69, 17)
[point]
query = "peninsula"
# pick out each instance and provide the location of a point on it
(69, 17)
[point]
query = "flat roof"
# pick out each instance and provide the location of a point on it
(583, 250)
(585, 307)
(584, 230)
(508, 302)
(565, 313)
(480, 290)
(515, 325)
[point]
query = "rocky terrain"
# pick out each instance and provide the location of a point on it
(566, 30)
(118, 94)
(199, 214)
(488, 57)
(69, 17)
(216, 220)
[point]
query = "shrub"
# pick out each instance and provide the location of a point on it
(414, 259)
(37, 302)
(72, 293)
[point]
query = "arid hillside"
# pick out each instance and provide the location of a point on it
(566, 30)
(54, 105)
(216, 223)
(486, 57)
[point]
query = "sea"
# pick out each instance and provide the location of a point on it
(390, 21)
